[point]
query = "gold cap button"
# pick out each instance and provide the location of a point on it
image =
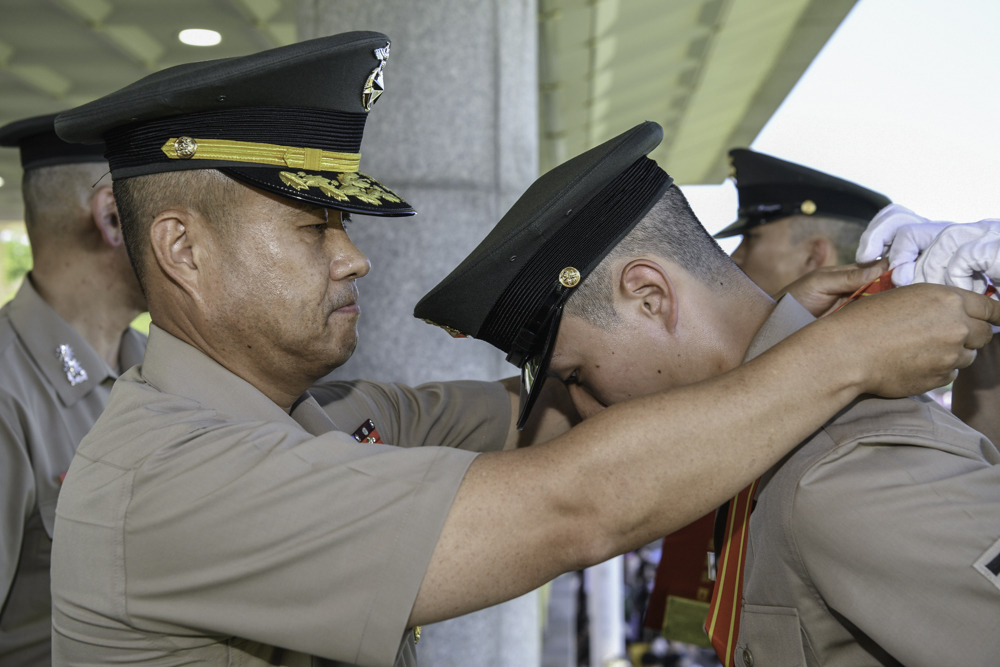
(185, 147)
(808, 207)
(569, 277)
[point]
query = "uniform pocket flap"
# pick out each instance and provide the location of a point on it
(769, 636)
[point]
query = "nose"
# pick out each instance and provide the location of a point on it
(586, 405)
(740, 254)
(348, 261)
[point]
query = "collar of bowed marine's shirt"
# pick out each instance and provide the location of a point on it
(787, 317)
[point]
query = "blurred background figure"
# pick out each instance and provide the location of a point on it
(64, 339)
(794, 219)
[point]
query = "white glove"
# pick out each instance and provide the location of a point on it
(966, 256)
(901, 235)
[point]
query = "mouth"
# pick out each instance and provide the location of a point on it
(349, 305)
(349, 309)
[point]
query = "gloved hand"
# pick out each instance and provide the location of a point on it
(901, 235)
(966, 256)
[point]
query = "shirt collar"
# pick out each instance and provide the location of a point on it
(787, 317)
(175, 367)
(65, 358)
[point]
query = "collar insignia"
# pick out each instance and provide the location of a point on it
(75, 373)
(375, 84)
(367, 433)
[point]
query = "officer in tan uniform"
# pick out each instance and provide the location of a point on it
(64, 338)
(221, 512)
(794, 219)
(875, 542)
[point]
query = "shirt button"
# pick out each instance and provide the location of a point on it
(747, 657)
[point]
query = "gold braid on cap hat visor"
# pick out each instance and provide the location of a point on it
(275, 155)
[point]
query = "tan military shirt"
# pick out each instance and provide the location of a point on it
(53, 386)
(876, 541)
(201, 524)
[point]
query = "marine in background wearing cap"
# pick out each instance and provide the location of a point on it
(794, 219)
(874, 524)
(219, 513)
(64, 338)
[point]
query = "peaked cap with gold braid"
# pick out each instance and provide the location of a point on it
(287, 120)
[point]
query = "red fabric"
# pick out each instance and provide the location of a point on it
(723, 624)
(683, 569)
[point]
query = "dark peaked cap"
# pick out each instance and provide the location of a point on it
(287, 120)
(511, 289)
(40, 147)
(770, 189)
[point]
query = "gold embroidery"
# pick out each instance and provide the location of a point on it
(274, 155)
(343, 187)
(454, 333)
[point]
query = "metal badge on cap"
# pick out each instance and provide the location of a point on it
(569, 277)
(375, 86)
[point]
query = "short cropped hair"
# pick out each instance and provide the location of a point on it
(57, 199)
(669, 230)
(212, 194)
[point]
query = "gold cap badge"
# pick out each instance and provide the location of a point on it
(808, 207)
(569, 277)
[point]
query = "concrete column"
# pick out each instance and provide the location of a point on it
(456, 133)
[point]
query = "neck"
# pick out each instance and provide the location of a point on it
(745, 308)
(91, 301)
(233, 358)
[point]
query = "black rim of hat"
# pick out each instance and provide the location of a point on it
(41, 147)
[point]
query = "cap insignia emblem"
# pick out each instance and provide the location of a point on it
(185, 147)
(75, 373)
(342, 188)
(808, 207)
(375, 85)
(569, 277)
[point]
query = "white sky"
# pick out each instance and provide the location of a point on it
(904, 99)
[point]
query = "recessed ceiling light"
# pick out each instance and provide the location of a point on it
(199, 37)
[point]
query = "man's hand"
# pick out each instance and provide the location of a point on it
(822, 291)
(913, 339)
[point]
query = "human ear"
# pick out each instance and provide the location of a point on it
(173, 248)
(646, 287)
(820, 252)
(104, 213)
